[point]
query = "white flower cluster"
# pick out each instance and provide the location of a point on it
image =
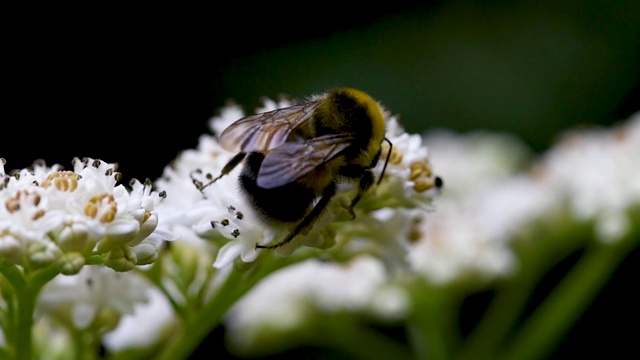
(441, 246)
(53, 215)
(219, 212)
(94, 291)
(288, 299)
(489, 201)
(598, 170)
(491, 197)
(376, 240)
(484, 203)
(220, 216)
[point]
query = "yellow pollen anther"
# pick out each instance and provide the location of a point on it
(415, 233)
(103, 207)
(62, 180)
(40, 213)
(419, 169)
(147, 215)
(421, 185)
(13, 203)
(396, 156)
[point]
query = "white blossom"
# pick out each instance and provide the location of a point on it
(49, 212)
(284, 301)
(470, 236)
(469, 162)
(490, 198)
(598, 171)
(219, 210)
(409, 179)
(483, 204)
(94, 288)
(144, 326)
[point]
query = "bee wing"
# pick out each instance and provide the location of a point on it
(265, 131)
(292, 160)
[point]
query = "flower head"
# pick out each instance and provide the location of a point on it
(51, 214)
(92, 290)
(219, 211)
(288, 300)
(596, 170)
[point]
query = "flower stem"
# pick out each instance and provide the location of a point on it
(27, 286)
(431, 325)
(358, 340)
(194, 330)
(506, 307)
(496, 323)
(26, 306)
(238, 282)
(569, 299)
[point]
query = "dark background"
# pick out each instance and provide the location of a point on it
(136, 86)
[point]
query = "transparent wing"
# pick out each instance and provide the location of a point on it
(265, 131)
(292, 160)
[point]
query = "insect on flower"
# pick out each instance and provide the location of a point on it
(295, 157)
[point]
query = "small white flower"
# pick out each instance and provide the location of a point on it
(470, 233)
(597, 169)
(227, 116)
(218, 212)
(284, 301)
(93, 288)
(390, 302)
(474, 160)
(48, 212)
(270, 105)
(144, 326)
(470, 236)
(484, 205)
(409, 179)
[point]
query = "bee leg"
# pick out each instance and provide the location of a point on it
(308, 221)
(365, 183)
(226, 169)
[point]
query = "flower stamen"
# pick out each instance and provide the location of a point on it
(102, 206)
(62, 180)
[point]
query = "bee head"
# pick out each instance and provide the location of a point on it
(352, 111)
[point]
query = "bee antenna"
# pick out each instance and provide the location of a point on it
(386, 161)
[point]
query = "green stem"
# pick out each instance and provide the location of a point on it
(569, 299)
(238, 282)
(26, 286)
(40, 278)
(431, 325)
(538, 250)
(194, 330)
(498, 320)
(505, 309)
(360, 341)
(15, 334)
(12, 273)
(26, 307)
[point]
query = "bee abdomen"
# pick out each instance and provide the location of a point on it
(287, 203)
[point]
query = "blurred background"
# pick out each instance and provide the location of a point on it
(136, 86)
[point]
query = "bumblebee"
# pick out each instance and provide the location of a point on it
(295, 158)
